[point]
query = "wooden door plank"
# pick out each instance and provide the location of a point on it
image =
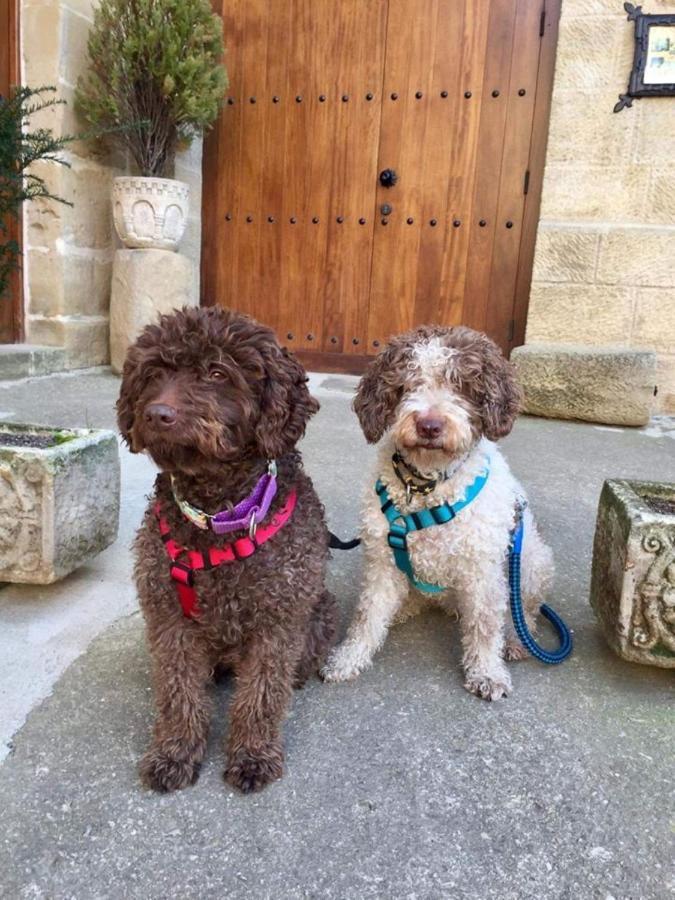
(357, 111)
(220, 206)
(517, 138)
(501, 31)
(536, 163)
(408, 69)
(467, 105)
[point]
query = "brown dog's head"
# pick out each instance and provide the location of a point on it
(207, 386)
(439, 390)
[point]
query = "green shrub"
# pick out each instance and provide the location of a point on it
(155, 73)
(20, 147)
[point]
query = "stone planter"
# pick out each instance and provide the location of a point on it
(150, 212)
(633, 580)
(59, 500)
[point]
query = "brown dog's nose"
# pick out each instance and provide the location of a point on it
(161, 415)
(429, 427)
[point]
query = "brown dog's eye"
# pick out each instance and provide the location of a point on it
(216, 375)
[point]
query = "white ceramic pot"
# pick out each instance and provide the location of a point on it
(150, 212)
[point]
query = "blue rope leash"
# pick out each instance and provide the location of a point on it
(401, 525)
(551, 657)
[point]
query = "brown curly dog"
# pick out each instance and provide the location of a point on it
(213, 398)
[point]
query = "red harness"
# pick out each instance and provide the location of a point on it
(182, 571)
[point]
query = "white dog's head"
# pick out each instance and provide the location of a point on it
(438, 390)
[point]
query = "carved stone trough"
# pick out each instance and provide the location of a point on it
(633, 579)
(59, 500)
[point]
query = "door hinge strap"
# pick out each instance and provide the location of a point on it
(526, 181)
(542, 23)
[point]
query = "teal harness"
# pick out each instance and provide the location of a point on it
(400, 525)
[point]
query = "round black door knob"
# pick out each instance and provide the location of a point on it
(388, 178)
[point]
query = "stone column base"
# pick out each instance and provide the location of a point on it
(611, 385)
(145, 284)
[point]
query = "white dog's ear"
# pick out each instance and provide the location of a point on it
(380, 389)
(501, 394)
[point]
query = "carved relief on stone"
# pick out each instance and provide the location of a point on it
(21, 489)
(653, 619)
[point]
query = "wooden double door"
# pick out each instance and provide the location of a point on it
(376, 165)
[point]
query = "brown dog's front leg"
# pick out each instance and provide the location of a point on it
(264, 686)
(181, 672)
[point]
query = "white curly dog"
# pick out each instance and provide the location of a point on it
(437, 398)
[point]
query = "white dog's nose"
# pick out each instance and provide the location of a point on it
(429, 427)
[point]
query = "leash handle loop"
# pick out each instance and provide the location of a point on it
(550, 657)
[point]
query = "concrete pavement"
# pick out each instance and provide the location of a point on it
(398, 785)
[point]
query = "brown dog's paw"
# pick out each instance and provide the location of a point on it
(252, 773)
(161, 771)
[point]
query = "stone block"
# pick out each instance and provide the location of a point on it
(655, 124)
(594, 384)
(565, 254)
(27, 360)
(41, 29)
(89, 221)
(145, 284)
(68, 282)
(74, 35)
(585, 8)
(637, 256)
(588, 52)
(593, 192)
(583, 129)
(660, 208)
(579, 314)
(59, 505)
(654, 325)
(633, 575)
(665, 373)
(85, 338)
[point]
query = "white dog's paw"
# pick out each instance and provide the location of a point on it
(345, 662)
(495, 686)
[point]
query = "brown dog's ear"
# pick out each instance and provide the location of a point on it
(501, 394)
(286, 405)
(380, 390)
(130, 390)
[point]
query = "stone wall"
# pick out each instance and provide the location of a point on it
(604, 269)
(68, 251)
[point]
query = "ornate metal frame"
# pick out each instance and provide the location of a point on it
(636, 86)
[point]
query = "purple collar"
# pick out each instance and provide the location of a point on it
(248, 513)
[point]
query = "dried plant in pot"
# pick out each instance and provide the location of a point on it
(155, 76)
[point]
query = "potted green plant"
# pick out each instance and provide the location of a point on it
(155, 82)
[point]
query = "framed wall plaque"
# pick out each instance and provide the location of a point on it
(653, 73)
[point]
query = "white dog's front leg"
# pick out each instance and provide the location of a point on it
(384, 590)
(483, 605)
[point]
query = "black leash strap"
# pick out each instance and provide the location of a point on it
(335, 543)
